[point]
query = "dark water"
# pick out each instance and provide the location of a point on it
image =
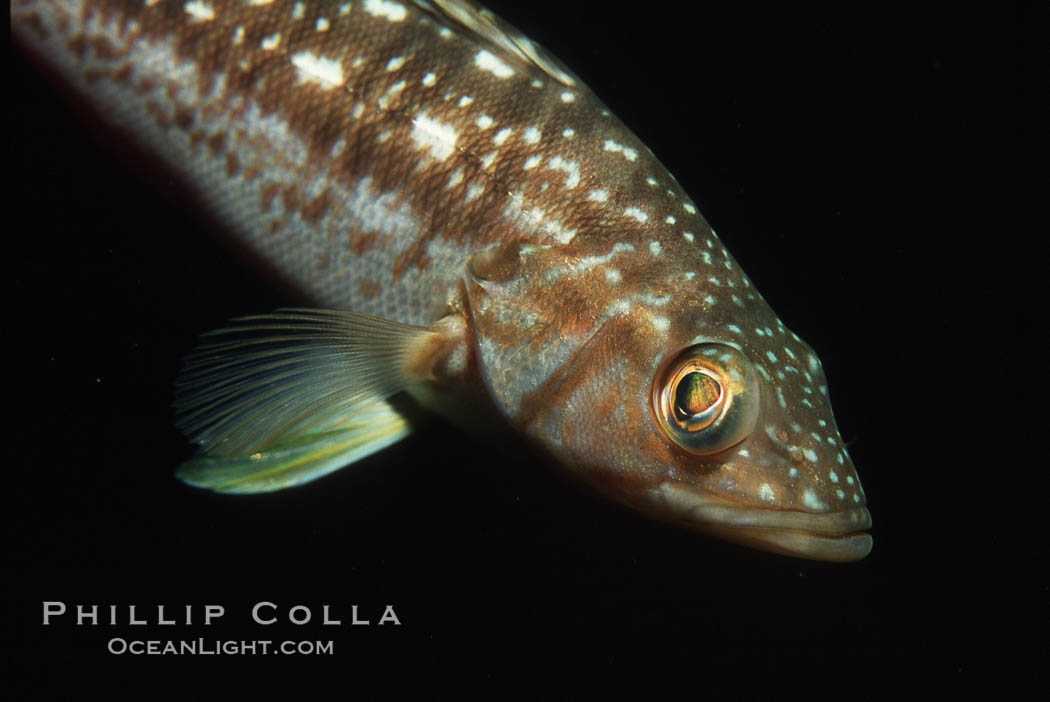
(844, 161)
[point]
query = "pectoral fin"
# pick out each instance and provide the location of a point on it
(280, 399)
(373, 426)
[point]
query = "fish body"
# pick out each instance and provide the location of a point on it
(473, 228)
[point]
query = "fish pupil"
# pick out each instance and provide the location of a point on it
(696, 393)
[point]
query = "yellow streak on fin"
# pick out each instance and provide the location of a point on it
(373, 426)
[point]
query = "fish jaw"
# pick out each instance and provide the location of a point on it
(834, 536)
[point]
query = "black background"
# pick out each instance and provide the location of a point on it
(853, 162)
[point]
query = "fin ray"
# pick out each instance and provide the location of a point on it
(265, 380)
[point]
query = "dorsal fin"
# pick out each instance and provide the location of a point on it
(499, 37)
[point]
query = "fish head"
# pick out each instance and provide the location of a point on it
(671, 386)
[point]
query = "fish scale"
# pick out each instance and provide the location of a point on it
(424, 163)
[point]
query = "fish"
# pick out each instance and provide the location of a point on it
(477, 236)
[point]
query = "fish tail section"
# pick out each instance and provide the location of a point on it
(281, 399)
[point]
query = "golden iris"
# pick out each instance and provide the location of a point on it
(707, 398)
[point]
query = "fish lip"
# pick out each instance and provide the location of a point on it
(828, 536)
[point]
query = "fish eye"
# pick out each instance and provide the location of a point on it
(707, 398)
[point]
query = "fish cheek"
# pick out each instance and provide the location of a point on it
(598, 418)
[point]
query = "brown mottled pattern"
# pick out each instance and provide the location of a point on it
(370, 148)
(378, 142)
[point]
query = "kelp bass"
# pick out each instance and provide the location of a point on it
(477, 232)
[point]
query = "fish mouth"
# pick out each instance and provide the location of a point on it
(832, 536)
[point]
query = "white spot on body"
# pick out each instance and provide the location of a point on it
(465, 100)
(392, 11)
(322, 24)
(653, 300)
(765, 492)
(429, 79)
(635, 213)
(199, 11)
(438, 138)
(570, 168)
(811, 501)
(532, 162)
(487, 61)
(238, 36)
(567, 96)
(654, 246)
(501, 136)
(484, 122)
(628, 153)
(271, 42)
(314, 69)
(688, 208)
(568, 133)
(298, 10)
(814, 364)
(395, 63)
(531, 136)
(598, 195)
(612, 275)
